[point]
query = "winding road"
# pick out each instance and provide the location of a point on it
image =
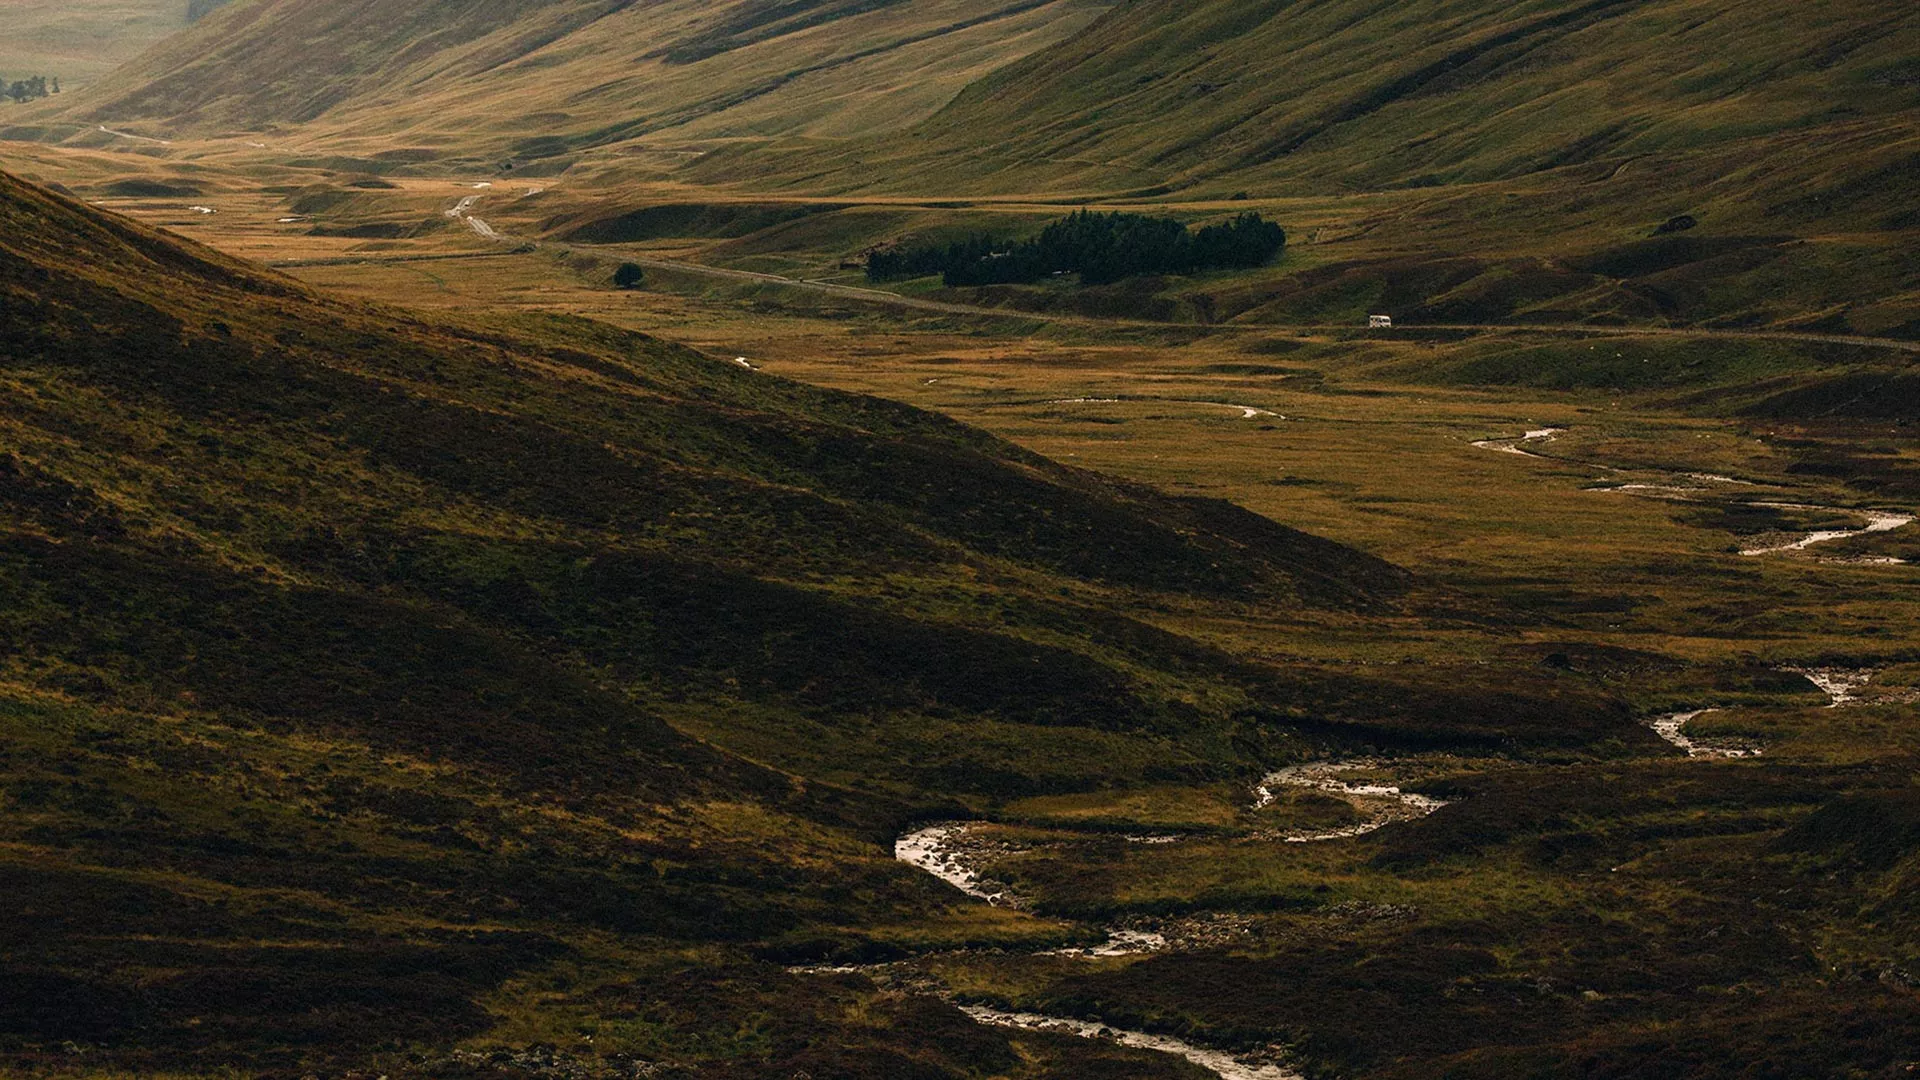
(462, 211)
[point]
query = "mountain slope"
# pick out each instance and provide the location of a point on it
(457, 79)
(1670, 162)
(1355, 95)
(1512, 163)
(1338, 95)
(78, 42)
(716, 523)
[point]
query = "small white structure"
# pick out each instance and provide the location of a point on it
(1379, 322)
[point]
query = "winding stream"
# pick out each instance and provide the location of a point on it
(1120, 942)
(1671, 727)
(1877, 521)
(1512, 446)
(1689, 486)
(943, 850)
(1841, 685)
(1386, 803)
(934, 849)
(1247, 412)
(1225, 1065)
(946, 851)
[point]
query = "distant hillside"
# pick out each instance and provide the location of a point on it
(1338, 95)
(1350, 95)
(536, 77)
(1684, 162)
(78, 41)
(1480, 162)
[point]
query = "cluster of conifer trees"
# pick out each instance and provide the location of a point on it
(24, 90)
(1101, 248)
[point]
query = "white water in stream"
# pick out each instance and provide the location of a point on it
(1841, 685)
(1685, 488)
(940, 849)
(932, 849)
(1671, 728)
(1512, 446)
(1119, 943)
(1223, 1064)
(1389, 804)
(1877, 521)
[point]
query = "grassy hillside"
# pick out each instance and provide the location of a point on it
(382, 684)
(1341, 95)
(480, 690)
(1351, 95)
(81, 40)
(1441, 162)
(537, 78)
(719, 527)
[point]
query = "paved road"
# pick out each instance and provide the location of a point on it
(463, 211)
